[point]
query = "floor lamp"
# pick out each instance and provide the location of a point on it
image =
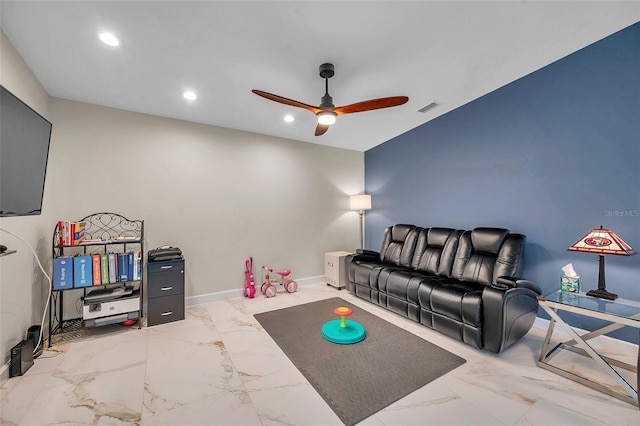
(361, 203)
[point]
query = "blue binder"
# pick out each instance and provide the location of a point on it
(62, 273)
(82, 271)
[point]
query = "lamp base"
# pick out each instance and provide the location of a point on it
(602, 294)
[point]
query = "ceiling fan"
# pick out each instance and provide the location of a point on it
(327, 112)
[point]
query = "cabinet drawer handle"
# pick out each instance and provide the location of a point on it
(166, 267)
(164, 314)
(166, 288)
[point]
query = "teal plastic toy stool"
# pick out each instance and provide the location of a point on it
(343, 331)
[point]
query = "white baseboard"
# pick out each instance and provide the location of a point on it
(228, 294)
(4, 373)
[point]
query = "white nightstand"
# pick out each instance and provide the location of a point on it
(335, 269)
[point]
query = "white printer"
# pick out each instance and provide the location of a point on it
(111, 305)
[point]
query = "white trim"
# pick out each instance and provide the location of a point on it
(228, 294)
(4, 373)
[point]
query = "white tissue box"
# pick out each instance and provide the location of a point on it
(570, 284)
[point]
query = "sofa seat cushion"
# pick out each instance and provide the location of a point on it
(368, 279)
(398, 291)
(452, 308)
(452, 299)
(400, 283)
(363, 270)
(467, 333)
(359, 272)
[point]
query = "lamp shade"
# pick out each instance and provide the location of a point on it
(360, 202)
(602, 241)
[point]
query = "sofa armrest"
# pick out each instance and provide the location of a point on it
(364, 255)
(516, 282)
(509, 307)
(353, 261)
(368, 252)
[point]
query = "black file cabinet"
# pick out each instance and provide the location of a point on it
(165, 280)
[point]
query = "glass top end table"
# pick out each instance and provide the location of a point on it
(619, 313)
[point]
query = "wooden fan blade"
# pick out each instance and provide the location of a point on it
(321, 129)
(286, 101)
(371, 105)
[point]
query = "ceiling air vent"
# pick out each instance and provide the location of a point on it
(426, 108)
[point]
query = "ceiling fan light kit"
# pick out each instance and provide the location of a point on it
(327, 112)
(327, 117)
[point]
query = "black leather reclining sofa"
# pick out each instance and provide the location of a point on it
(461, 283)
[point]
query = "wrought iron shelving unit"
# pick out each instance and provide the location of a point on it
(103, 233)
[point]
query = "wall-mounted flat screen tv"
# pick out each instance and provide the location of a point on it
(24, 150)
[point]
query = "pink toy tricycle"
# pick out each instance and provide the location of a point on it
(267, 287)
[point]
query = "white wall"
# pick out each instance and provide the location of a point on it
(23, 288)
(218, 194)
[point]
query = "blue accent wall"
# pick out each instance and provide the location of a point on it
(551, 155)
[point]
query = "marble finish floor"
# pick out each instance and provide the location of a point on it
(219, 367)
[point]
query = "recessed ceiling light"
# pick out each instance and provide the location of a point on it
(189, 95)
(289, 118)
(109, 39)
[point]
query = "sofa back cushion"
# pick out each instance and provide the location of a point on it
(435, 251)
(399, 244)
(485, 254)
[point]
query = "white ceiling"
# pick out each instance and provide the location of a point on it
(449, 52)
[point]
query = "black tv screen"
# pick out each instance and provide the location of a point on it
(24, 150)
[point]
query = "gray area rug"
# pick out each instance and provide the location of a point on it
(360, 379)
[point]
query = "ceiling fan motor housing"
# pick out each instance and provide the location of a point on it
(327, 101)
(327, 70)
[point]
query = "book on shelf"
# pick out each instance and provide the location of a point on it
(71, 233)
(61, 228)
(67, 232)
(137, 266)
(113, 268)
(123, 267)
(78, 233)
(130, 268)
